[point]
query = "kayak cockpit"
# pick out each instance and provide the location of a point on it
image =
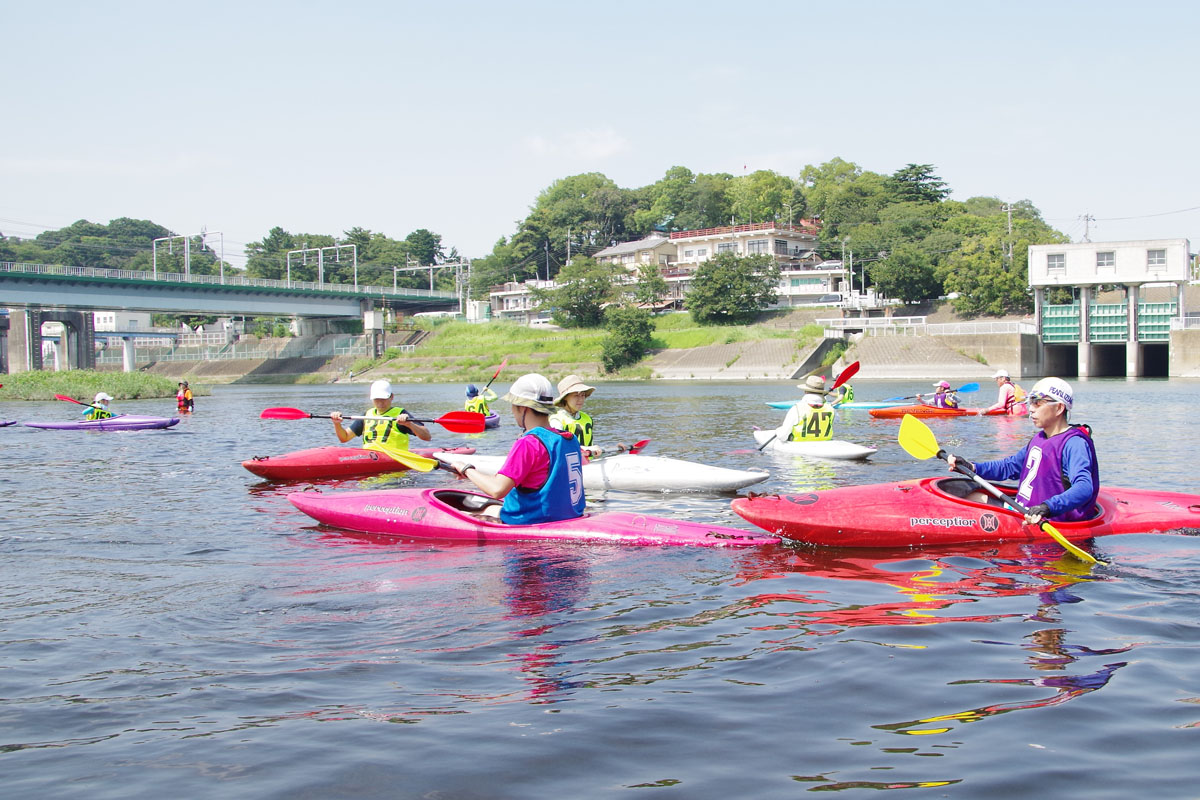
(965, 490)
(466, 502)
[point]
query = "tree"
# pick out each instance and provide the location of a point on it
(906, 274)
(764, 195)
(916, 183)
(425, 246)
(730, 289)
(651, 286)
(628, 339)
(584, 286)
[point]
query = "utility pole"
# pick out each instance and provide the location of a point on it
(547, 243)
(1088, 219)
(1009, 243)
(568, 244)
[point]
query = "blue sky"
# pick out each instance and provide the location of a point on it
(453, 116)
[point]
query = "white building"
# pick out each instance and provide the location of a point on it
(121, 321)
(513, 301)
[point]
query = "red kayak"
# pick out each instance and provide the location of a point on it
(934, 511)
(898, 412)
(335, 461)
(453, 515)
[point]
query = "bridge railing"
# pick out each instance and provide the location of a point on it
(218, 280)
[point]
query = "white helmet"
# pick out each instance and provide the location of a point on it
(1055, 389)
(532, 391)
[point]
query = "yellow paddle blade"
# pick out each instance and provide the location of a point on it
(410, 460)
(1082, 555)
(916, 438)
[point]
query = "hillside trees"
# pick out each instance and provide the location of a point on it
(731, 289)
(629, 335)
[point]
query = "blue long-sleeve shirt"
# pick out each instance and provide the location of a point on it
(1076, 463)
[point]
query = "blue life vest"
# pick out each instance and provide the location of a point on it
(561, 496)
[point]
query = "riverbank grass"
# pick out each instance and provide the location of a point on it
(83, 384)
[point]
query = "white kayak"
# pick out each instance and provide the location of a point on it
(830, 448)
(638, 473)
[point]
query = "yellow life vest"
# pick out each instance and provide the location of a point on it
(97, 413)
(816, 425)
(580, 427)
(380, 431)
(478, 404)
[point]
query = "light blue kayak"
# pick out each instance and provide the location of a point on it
(861, 405)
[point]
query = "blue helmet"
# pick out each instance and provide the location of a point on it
(472, 391)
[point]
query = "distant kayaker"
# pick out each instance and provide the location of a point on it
(180, 398)
(810, 420)
(943, 396)
(541, 479)
(1011, 398)
(388, 426)
(99, 407)
(845, 394)
(1058, 471)
(478, 401)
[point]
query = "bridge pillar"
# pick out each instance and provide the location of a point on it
(24, 340)
(1085, 337)
(1133, 346)
(373, 328)
(127, 359)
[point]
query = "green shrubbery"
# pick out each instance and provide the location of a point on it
(83, 384)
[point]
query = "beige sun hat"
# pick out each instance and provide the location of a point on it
(570, 385)
(813, 383)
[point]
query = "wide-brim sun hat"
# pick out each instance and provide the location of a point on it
(531, 391)
(813, 383)
(570, 385)
(381, 390)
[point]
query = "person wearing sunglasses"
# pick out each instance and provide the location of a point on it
(1058, 470)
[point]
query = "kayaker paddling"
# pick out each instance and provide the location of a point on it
(943, 396)
(810, 420)
(1058, 470)
(386, 428)
(541, 479)
(477, 401)
(570, 416)
(1011, 399)
(99, 407)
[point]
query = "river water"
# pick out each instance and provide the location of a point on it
(172, 626)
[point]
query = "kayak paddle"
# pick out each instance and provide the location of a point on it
(631, 449)
(453, 421)
(966, 388)
(918, 440)
(848, 373)
(496, 374)
(410, 460)
(73, 400)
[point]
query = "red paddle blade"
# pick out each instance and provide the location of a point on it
(500, 368)
(848, 373)
(636, 446)
(283, 413)
(462, 421)
(68, 399)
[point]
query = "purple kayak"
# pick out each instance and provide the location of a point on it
(121, 422)
(4, 423)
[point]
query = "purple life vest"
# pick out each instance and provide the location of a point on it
(1043, 477)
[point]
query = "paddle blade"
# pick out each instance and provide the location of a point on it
(69, 399)
(848, 373)
(1082, 555)
(636, 446)
(967, 388)
(284, 413)
(500, 368)
(410, 460)
(916, 438)
(462, 421)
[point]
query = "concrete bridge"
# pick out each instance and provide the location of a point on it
(37, 293)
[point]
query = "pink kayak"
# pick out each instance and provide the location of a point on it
(335, 461)
(451, 514)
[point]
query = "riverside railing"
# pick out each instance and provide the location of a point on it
(919, 326)
(210, 280)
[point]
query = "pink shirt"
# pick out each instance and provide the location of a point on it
(527, 464)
